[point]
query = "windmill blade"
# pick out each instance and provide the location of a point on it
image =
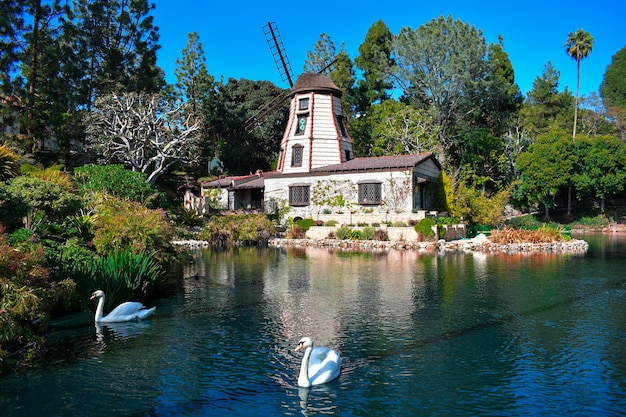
(277, 48)
(260, 116)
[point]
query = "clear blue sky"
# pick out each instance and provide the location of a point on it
(533, 31)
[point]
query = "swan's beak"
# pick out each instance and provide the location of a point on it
(299, 346)
(92, 296)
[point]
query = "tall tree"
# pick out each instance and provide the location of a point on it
(375, 60)
(198, 88)
(142, 131)
(116, 44)
(578, 46)
(546, 168)
(444, 66)
(12, 26)
(243, 152)
(613, 90)
(602, 171)
(321, 56)
(546, 107)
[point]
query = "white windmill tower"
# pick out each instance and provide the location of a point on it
(316, 133)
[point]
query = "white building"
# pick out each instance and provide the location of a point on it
(317, 174)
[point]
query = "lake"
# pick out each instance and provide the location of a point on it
(419, 333)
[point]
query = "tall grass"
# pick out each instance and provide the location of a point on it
(119, 275)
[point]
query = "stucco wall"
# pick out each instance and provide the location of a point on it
(338, 193)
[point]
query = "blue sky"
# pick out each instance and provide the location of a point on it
(533, 31)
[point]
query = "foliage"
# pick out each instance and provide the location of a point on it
(546, 168)
(546, 108)
(12, 208)
(334, 194)
(199, 89)
(343, 232)
(602, 171)
(399, 223)
(545, 234)
(399, 129)
(598, 221)
(27, 296)
(53, 201)
(443, 192)
(476, 206)
(444, 65)
(367, 233)
(355, 234)
(331, 223)
(114, 180)
(299, 228)
(113, 46)
(613, 90)
(296, 232)
(125, 225)
(374, 60)
(240, 151)
(305, 224)
(119, 274)
(482, 159)
(424, 228)
(237, 229)
(8, 163)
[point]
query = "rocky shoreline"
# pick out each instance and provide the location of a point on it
(478, 244)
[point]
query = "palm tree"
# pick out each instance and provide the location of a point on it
(578, 46)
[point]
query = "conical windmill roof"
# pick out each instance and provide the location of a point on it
(315, 82)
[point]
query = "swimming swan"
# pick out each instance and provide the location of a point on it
(319, 365)
(130, 311)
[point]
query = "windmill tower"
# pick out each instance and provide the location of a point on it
(316, 133)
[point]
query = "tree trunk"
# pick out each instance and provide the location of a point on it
(576, 102)
(569, 200)
(547, 212)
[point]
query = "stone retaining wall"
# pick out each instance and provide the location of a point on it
(574, 246)
(469, 245)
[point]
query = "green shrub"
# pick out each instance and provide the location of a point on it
(367, 233)
(331, 223)
(237, 229)
(305, 224)
(343, 232)
(125, 225)
(114, 180)
(354, 235)
(399, 224)
(424, 228)
(27, 295)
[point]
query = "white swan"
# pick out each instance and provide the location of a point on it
(130, 311)
(319, 365)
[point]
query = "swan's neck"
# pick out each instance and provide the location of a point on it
(99, 309)
(303, 378)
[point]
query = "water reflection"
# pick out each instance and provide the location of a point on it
(419, 334)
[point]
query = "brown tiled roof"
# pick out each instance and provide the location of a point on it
(381, 163)
(227, 181)
(315, 82)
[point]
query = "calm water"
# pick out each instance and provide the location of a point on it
(420, 334)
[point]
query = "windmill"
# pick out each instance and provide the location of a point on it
(277, 48)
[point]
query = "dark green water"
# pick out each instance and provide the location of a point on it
(420, 334)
